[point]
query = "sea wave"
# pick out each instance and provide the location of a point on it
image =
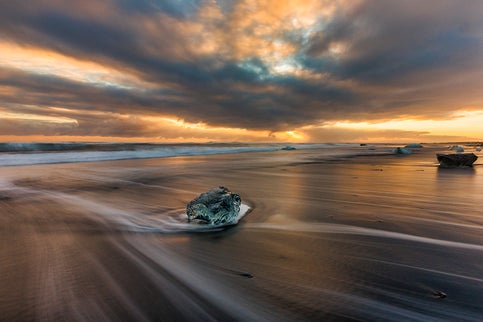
(15, 154)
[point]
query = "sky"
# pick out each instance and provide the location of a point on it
(241, 70)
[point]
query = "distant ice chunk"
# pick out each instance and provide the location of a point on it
(216, 207)
(401, 151)
(456, 148)
(413, 146)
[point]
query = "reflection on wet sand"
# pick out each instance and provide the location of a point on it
(362, 238)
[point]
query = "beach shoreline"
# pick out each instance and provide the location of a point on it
(330, 236)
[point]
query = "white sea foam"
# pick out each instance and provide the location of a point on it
(91, 156)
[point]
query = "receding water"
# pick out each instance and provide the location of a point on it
(335, 233)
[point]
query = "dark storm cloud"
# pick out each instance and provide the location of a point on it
(394, 58)
(245, 108)
(389, 40)
(113, 125)
(59, 92)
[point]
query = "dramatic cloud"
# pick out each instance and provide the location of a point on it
(265, 69)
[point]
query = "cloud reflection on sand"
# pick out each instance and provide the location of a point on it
(330, 235)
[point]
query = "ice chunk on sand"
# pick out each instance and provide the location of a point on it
(456, 159)
(217, 206)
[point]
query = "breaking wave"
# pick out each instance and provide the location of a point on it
(12, 154)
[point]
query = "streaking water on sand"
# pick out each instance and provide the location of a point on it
(336, 235)
(174, 221)
(354, 230)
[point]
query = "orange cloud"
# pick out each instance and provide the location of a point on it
(47, 62)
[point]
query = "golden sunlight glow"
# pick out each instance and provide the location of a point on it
(34, 117)
(464, 123)
(71, 138)
(201, 132)
(45, 62)
(295, 136)
(201, 127)
(174, 122)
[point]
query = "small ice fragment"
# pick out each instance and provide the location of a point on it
(413, 146)
(456, 148)
(401, 151)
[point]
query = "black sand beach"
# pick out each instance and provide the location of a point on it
(368, 237)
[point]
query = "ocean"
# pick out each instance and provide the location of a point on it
(14, 154)
(327, 232)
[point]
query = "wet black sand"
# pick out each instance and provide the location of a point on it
(329, 238)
